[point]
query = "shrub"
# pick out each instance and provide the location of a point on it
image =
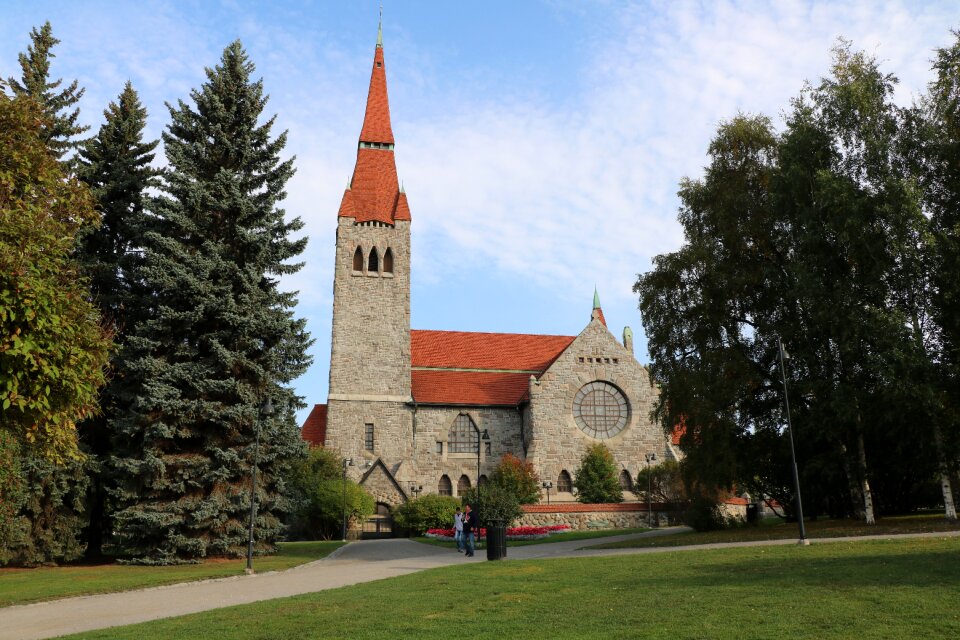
(494, 503)
(597, 480)
(426, 512)
(703, 514)
(316, 490)
(517, 477)
(666, 483)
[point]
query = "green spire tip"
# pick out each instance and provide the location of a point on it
(380, 28)
(596, 298)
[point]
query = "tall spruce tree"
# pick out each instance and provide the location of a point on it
(60, 128)
(115, 164)
(219, 338)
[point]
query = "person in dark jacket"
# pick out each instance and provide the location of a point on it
(470, 528)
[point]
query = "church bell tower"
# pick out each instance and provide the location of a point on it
(370, 352)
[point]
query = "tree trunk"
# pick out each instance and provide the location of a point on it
(864, 483)
(950, 507)
(856, 489)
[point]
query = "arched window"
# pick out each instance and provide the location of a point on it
(373, 263)
(463, 485)
(444, 487)
(625, 483)
(483, 481)
(358, 259)
(388, 261)
(462, 437)
(564, 483)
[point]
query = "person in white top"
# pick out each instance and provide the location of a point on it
(458, 530)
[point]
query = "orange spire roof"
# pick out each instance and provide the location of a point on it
(376, 121)
(374, 193)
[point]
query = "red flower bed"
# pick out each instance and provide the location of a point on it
(519, 533)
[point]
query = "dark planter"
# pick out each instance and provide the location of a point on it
(496, 540)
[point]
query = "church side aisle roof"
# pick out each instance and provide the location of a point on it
(478, 369)
(315, 428)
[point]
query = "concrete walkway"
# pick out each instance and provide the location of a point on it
(355, 563)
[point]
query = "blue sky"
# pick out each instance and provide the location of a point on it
(540, 143)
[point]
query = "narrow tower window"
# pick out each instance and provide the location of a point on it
(463, 485)
(358, 259)
(368, 437)
(373, 264)
(445, 487)
(625, 483)
(388, 261)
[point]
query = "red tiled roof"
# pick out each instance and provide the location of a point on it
(314, 428)
(473, 388)
(376, 120)
(465, 350)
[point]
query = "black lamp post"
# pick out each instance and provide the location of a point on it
(266, 410)
(483, 436)
(793, 455)
(347, 462)
(548, 485)
(650, 457)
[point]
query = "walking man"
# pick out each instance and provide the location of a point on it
(458, 530)
(469, 528)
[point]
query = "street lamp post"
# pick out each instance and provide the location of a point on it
(266, 410)
(650, 457)
(483, 436)
(793, 456)
(548, 485)
(347, 462)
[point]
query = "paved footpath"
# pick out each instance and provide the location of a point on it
(354, 563)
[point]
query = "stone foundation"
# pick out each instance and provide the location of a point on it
(586, 517)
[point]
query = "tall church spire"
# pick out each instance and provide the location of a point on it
(374, 193)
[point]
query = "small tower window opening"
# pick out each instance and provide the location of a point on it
(388, 261)
(564, 482)
(463, 485)
(368, 437)
(483, 481)
(373, 264)
(358, 259)
(445, 487)
(625, 482)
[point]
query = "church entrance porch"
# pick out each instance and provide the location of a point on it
(379, 525)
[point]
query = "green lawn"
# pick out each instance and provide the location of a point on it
(19, 586)
(776, 529)
(866, 590)
(556, 537)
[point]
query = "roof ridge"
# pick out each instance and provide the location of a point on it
(493, 333)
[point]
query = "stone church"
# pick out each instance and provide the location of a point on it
(434, 411)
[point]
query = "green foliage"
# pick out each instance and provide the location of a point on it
(316, 509)
(493, 502)
(426, 512)
(52, 347)
(703, 513)
(47, 501)
(217, 337)
(59, 122)
(816, 236)
(665, 481)
(116, 166)
(597, 481)
(518, 478)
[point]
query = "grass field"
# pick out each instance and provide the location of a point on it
(19, 586)
(776, 529)
(870, 590)
(556, 537)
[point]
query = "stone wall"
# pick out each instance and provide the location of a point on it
(433, 426)
(556, 442)
(582, 517)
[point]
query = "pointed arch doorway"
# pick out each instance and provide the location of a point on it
(380, 524)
